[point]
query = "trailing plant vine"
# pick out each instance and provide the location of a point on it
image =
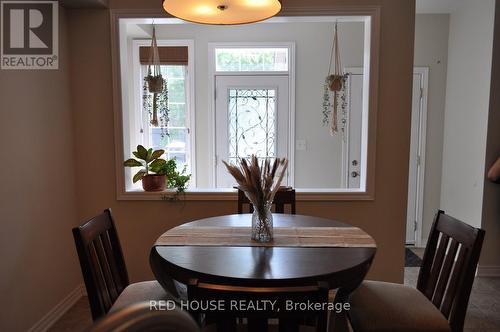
(156, 104)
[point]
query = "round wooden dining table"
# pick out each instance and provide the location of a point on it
(343, 268)
(263, 266)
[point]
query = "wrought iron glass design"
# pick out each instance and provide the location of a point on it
(252, 123)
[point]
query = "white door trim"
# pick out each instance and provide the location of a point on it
(424, 73)
(345, 141)
(212, 73)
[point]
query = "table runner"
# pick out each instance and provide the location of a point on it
(283, 237)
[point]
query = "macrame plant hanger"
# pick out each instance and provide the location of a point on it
(335, 80)
(154, 79)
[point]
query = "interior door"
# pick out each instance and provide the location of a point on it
(252, 117)
(415, 167)
(355, 106)
(353, 145)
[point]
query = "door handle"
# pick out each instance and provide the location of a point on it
(354, 174)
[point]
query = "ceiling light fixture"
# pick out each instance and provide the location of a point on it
(222, 12)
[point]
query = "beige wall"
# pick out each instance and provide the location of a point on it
(140, 222)
(37, 195)
(490, 259)
(466, 112)
(46, 114)
(431, 50)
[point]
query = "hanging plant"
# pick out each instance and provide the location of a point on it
(156, 104)
(335, 104)
(335, 86)
(154, 79)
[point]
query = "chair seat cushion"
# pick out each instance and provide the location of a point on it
(381, 306)
(140, 292)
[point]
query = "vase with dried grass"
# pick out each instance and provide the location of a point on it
(260, 180)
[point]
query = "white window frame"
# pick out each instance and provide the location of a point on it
(190, 95)
(212, 73)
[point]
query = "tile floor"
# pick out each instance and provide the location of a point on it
(483, 314)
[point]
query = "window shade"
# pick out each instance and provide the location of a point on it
(169, 55)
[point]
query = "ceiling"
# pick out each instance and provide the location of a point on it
(436, 6)
(423, 6)
(84, 3)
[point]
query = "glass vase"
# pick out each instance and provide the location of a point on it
(262, 223)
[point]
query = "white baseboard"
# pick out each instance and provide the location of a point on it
(488, 271)
(60, 309)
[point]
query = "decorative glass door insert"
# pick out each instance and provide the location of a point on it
(252, 123)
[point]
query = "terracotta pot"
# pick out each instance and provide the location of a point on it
(335, 82)
(153, 182)
(155, 83)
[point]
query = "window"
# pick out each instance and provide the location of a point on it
(174, 138)
(177, 136)
(251, 59)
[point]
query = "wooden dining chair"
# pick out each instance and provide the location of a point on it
(284, 196)
(139, 317)
(439, 303)
(104, 271)
(232, 303)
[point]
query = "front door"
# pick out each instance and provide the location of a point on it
(252, 117)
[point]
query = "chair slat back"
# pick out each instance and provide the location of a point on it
(449, 266)
(102, 263)
(283, 197)
(289, 317)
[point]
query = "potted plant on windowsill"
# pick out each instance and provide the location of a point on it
(149, 160)
(177, 180)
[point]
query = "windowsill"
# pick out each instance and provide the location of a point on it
(229, 194)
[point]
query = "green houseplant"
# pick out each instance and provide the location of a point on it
(156, 173)
(175, 179)
(149, 160)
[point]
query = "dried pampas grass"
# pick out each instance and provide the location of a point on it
(259, 180)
